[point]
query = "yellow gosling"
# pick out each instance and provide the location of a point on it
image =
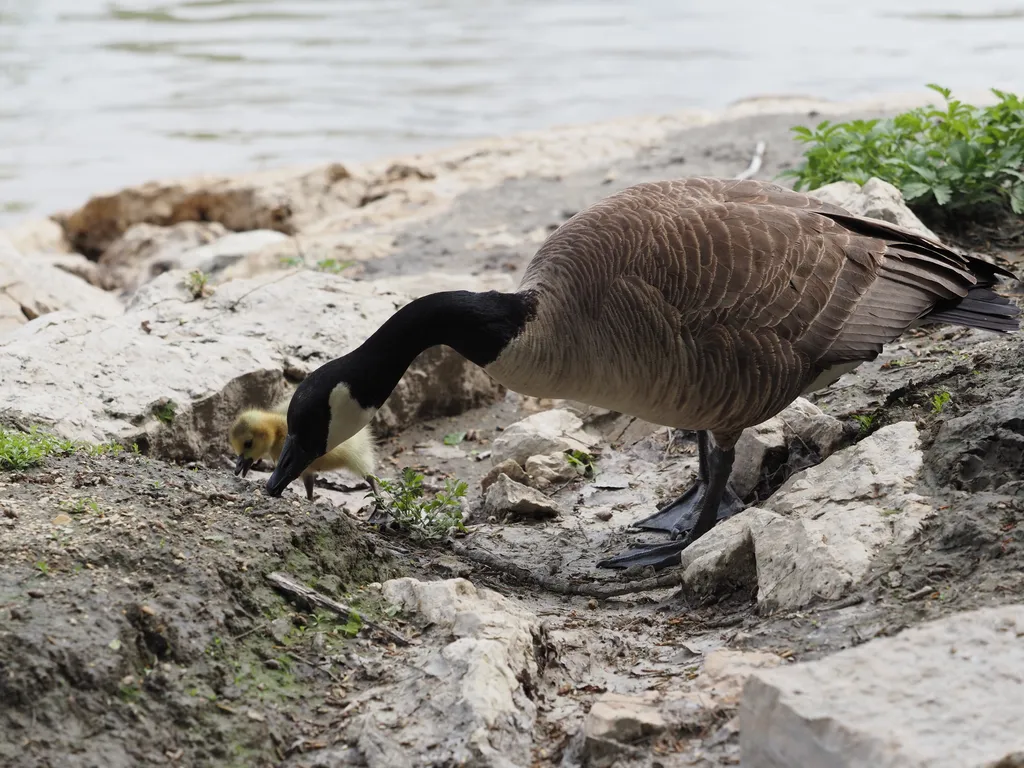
(257, 433)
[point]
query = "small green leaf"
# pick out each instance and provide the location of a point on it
(454, 438)
(942, 193)
(915, 189)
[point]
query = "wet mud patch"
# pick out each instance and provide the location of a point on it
(138, 626)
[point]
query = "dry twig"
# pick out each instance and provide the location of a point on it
(310, 597)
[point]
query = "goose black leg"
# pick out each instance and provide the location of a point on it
(689, 517)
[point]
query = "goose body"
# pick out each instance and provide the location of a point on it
(701, 303)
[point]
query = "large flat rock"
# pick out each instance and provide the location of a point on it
(173, 371)
(947, 694)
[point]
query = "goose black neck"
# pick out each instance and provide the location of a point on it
(476, 325)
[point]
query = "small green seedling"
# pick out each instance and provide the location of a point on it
(583, 462)
(197, 283)
(866, 421)
(333, 265)
(940, 401)
(424, 518)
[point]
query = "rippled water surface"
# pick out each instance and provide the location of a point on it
(95, 95)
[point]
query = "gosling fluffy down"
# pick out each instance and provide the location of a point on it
(257, 433)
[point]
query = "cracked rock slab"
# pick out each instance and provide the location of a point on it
(509, 500)
(946, 694)
(817, 536)
(468, 701)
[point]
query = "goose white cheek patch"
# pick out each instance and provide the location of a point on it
(347, 416)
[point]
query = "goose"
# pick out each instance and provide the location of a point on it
(700, 303)
(256, 433)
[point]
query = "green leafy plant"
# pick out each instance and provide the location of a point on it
(866, 421)
(583, 462)
(940, 401)
(22, 450)
(406, 503)
(197, 283)
(165, 411)
(333, 265)
(954, 160)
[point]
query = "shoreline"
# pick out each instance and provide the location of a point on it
(554, 149)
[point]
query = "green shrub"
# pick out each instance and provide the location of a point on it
(961, 159)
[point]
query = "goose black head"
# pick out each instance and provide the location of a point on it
(328, 407)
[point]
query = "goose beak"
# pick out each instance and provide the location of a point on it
(242, 465)
(290, 465)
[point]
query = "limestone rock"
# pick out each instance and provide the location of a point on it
(217, 256)
(30, 288)
(146, 251)
(546, 432)
(808, 423)
(616, 720)
(877, 199)
(549, 469)
(510, 468)
(172, 372)
(237, 204)
(946, 693)
(38, 236)
(74, 264)
(507, 499)
(815, 538)
(472, 707)
(753, 449)
(800, 428)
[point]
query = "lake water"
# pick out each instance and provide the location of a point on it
(95, 95)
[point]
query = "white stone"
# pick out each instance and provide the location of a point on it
(507, 499)
(817, 536)
(946, 694)
(801, 422)
(38, 236)
(30, 288)
(752, 449)
(551, 431)
(146, 251)
(807, 422)
(470, 705)
(508, 467)
(616, 720)
(549, 469)
(212, 357)
(225, 251)
(877, 199)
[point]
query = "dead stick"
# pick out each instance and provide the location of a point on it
(564, 586)
(309, 596)
(755, 163)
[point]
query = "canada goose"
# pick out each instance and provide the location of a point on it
(704, 304)
(257, 433)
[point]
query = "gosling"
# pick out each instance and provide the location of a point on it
(258, 433)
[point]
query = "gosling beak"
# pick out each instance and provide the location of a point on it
(242, 465)
(290, 465)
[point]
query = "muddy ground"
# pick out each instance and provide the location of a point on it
(139, 627)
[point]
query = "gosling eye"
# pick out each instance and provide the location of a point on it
(248, 444)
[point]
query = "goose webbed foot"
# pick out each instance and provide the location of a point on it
(689, 517)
